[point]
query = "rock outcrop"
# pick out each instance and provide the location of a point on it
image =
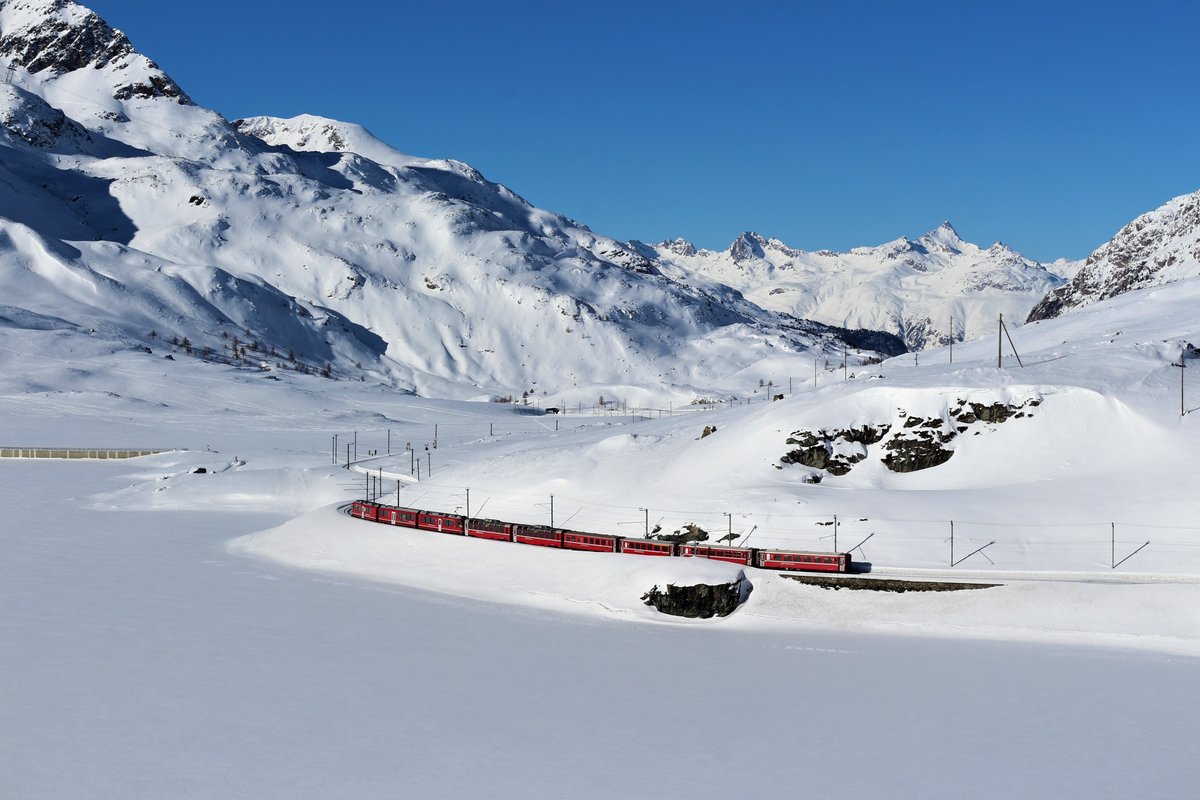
(701, 600)
(1156, 248)
(914, 443)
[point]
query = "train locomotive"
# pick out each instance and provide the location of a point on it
(564, 539)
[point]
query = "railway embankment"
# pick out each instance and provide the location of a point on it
(886, 584)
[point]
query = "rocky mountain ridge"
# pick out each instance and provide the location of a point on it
(1159, 247)
(929, 291)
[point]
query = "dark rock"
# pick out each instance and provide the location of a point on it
(57, 46)
(688, 533)
(700, 600)
(914, 453)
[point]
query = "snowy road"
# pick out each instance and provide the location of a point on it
(142, 661)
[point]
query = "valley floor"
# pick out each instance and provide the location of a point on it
(143, 658)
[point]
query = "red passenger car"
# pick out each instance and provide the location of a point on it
(806, 562)
(734, 555)
(645, 547)
(364, 510)
(538, 535)
(442, 523)
(390, 515)
(572, 540)
(489, 529)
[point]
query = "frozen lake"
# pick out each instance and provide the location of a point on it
(140, 660)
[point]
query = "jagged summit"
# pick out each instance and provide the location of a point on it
(912, 288)
(679, 246)
(943, 238)
(57, 37)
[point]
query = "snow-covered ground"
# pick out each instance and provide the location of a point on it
(230, 633)
(209, 623)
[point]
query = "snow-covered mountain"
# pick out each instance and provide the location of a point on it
(1157, 248)
(930, 291)
(128, 211)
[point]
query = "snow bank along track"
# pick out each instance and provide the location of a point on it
(564, 539)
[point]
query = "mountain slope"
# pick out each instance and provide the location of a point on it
(109, 170)
(1159, 247)
(930, 291)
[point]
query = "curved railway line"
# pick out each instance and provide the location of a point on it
(566, 539)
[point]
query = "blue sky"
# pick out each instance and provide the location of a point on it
(827, 125)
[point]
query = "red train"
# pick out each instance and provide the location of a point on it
(544, 536)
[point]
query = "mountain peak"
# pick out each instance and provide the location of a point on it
(943, 238)
(309, 132)
(680, 247)
(57, 37)
(748, 245)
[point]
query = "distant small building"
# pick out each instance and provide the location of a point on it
(552, 410)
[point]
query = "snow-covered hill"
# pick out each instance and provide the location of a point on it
(1157, 248)
(127, 210)
(930, 291)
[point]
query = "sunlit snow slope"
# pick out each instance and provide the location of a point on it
(127, 209)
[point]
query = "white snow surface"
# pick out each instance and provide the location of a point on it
(313, 237)
(930, 291)
(209, 623)
(233, 633)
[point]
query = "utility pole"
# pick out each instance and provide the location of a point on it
(1113, 555)
(835, 532)
(952, 543)
(335, 448)
(951, 338)
(647, 521)
(1000, 343)
(468, 504)
(551, 511)
(1182, 365)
